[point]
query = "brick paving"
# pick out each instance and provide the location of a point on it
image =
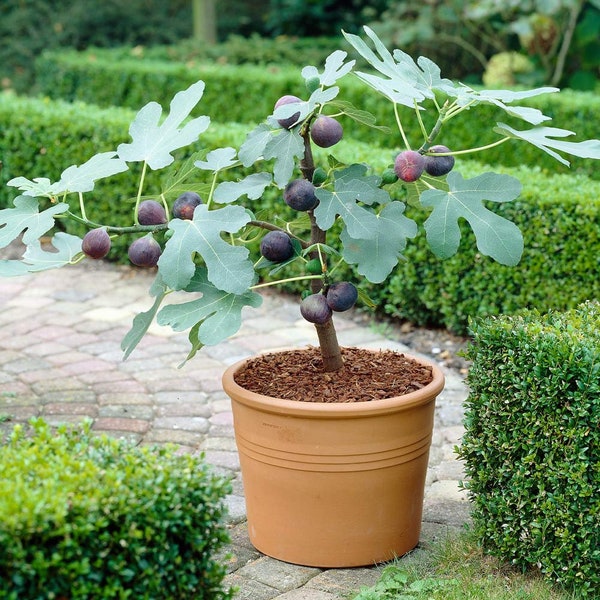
(60, 358)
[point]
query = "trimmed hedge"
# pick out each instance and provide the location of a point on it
(559, 216)
(532, 442)
(246, 94)
(83, 516)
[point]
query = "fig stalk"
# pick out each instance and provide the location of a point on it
(329, 346)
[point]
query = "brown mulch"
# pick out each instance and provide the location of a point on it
(366, 375)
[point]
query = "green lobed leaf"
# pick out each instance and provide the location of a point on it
(218, 312)
(496, 236)
(176, 179)
(82, 178)
(254, 145)
(252, 186)
(218, 159)
(285, 111)
(501, 98)
(12, 268)
(376, 257)
(349, 189)
(540, 137)
(38, 187)
(67, 248)
(358, 115)
(405, 82)
(228, 266)
(143, 320)
(25, 218)
(406, 95)
(74, 178)
(334, 68)
(285, 147)
(153, 143)
(302, 109)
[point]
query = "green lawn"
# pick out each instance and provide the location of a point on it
(455, 568)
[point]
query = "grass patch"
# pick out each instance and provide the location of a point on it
(455, 568)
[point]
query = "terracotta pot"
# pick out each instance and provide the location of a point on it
(332, 484)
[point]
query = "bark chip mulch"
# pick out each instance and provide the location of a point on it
(366, 375)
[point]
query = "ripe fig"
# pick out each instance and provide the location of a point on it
(144, 252)
(326, 131)
(314, 309)
(409, 165)
(151, 212)
(289, 121)
(439, 165)
(276, 246)
(96, 243)
(299, 194)
(341, 296)
(184, 206)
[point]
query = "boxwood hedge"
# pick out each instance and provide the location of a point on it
(246, 94)
(558, 214)
(532, 442)
(85, 516)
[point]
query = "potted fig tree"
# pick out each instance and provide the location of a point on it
(333, 441)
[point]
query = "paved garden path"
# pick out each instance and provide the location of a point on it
(60, 358)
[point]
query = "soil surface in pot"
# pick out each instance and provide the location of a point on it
(366, 375)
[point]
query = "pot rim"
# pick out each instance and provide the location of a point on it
(347, 409)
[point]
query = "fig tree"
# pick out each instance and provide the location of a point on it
(341, 296)
(409, 165)
(184, 206)
(96, 243)
(326, 131)
(314, 309)
(438, 165)
(290, 121)
(151, 212)
(276, 246)
(144, 252)
(299, 194)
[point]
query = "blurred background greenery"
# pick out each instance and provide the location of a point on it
(498, 42)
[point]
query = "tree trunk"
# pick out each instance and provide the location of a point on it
(204, 20)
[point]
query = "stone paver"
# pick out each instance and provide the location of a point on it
(60, 358)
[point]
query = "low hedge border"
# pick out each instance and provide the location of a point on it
(239, 92)
(559, 216)
(532, 442)
(87, 516)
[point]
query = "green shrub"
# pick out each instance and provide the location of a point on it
(27, 28)
(238, 50)
(532, 442)
(246, 94)
(558, 214)
(83, 516)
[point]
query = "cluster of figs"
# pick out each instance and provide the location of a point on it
(411, 164)
(144, 251)
(299, 194)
